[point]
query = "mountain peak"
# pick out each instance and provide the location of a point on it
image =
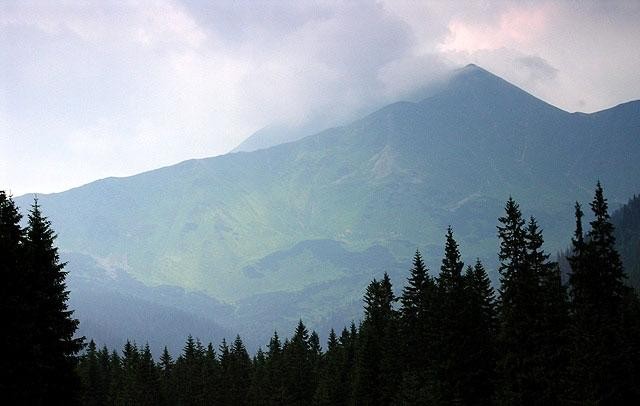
(471, 67)
(474, 85)
(478, 73)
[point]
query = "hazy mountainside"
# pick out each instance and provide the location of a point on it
(394, 179)
(113, 307)
(627, 223)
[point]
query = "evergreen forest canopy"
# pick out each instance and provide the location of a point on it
(448, 339)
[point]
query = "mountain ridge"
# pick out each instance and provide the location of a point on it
(448, 159)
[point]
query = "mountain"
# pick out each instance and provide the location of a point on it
(393, 181)
(114, 307)
(626, 221)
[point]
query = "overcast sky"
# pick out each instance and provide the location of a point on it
(90, 89)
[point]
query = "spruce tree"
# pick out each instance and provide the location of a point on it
(481, 320)
(188, 373)
(53, 323)
(116, 378)
(258, 389)
(349, 340)
(604, 354)
(330, 389)
(417, 331)
(211, 378)
(298, 369)
(553, 320)
(91, 376)
(167, 384)
(239, 371)
(226, 369)
(520, 367)
(128, 388)
(377, 372)
(274, 365)
(19, 358)
(449, 373)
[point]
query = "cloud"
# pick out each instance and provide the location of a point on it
(538, 68)
(103, 88)
(516, 26)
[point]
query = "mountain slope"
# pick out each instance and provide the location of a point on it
(627, 231)
(393, 179)
(113, 307)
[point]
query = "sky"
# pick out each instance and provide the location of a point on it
(92, 89)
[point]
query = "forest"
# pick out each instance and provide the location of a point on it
(447, 337)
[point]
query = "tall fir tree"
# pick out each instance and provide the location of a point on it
(258, 389)
(298, 368)
(274, 366)
(604, 356)
(19, 360)
(417, 332)
(330, 390)
(188, 373)
(481, 319)
(211, 378)
(376, 377)
(54, 327)
(239, 371)
(167, 383)
(92, 378)
(520, 366)
(449, 375)
(553, 319)
(148, 379)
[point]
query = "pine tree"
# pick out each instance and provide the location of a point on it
(188, 372)
(377, 374)
(417, 332)
(167, 384)
(104, 363)
(116, 378)
(553, 320)
(481, 319)
(18, 360)
(91, 376)
(53, 323)
(128, 387)
(519, 366)
(298, 369)
(274, 365)
(258, 389)
(348, 342)
(226, 362)
(148, 379)
(451, 328)
(239, 373)
(603, 353)
(212, 388)
(330, 389)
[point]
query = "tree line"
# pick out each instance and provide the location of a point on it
(446, 339)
